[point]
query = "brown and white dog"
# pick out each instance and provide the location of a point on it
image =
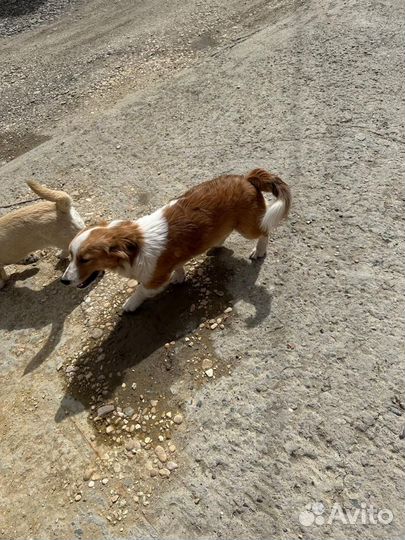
(154, 248)
(52, 222)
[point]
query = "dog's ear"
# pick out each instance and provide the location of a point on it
(123, 248)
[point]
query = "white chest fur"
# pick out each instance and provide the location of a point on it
(154, 230)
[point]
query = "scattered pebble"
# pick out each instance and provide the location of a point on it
(132, 283)
(171, 465)
(164, 472)
(161, 454)
(128, 411)
(132, 444)
(78, 497)
(213, 326)
(178, 419)
(96, 333)
(206, 363)
(104, 410)
(209, 372)
(88, 473)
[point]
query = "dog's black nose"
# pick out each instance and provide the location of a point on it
(65, 281)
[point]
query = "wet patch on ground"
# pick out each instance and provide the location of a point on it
(13, 144)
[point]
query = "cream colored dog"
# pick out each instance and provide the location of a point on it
(53, 222)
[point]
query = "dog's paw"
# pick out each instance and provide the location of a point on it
(178, 276)
(257, 254)
(131, 305)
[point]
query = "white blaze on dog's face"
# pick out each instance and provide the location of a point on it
(74, 274)
(98, 249)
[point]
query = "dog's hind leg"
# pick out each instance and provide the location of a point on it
(261, 248)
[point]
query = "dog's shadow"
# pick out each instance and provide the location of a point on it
(170, 316)
(26, 308)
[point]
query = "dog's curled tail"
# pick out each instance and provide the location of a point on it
(60, 198)
(265, 181)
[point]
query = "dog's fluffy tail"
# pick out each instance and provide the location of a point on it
(60, 198)
(265, 181)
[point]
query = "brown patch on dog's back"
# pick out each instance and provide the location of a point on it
(204, 216)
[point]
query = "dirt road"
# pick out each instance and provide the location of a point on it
(274, 390)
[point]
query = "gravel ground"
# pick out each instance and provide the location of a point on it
(253, 399)
(19, 15)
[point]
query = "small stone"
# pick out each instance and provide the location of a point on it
(206, 363)
(161, 454)
(209, 372)
(78, 497)
(104, 410)
(178, 419)
(114, 498)
(109, 429)
(88, 473)
(96, 333)
(171, 465)
(228, 310)
(59, 363)
(148, 440)
(153, 402)
(132, 444)
(153, 472)
(213, 326)
(91, 484)
(104, 481)
(132, 283)
(164, 472)
(172, 448)
(128, 411)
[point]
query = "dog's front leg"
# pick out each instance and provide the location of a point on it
(140, 295)
(179, 275)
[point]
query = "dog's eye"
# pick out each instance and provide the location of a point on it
(84, 261)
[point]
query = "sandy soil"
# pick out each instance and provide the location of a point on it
(126, 104)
